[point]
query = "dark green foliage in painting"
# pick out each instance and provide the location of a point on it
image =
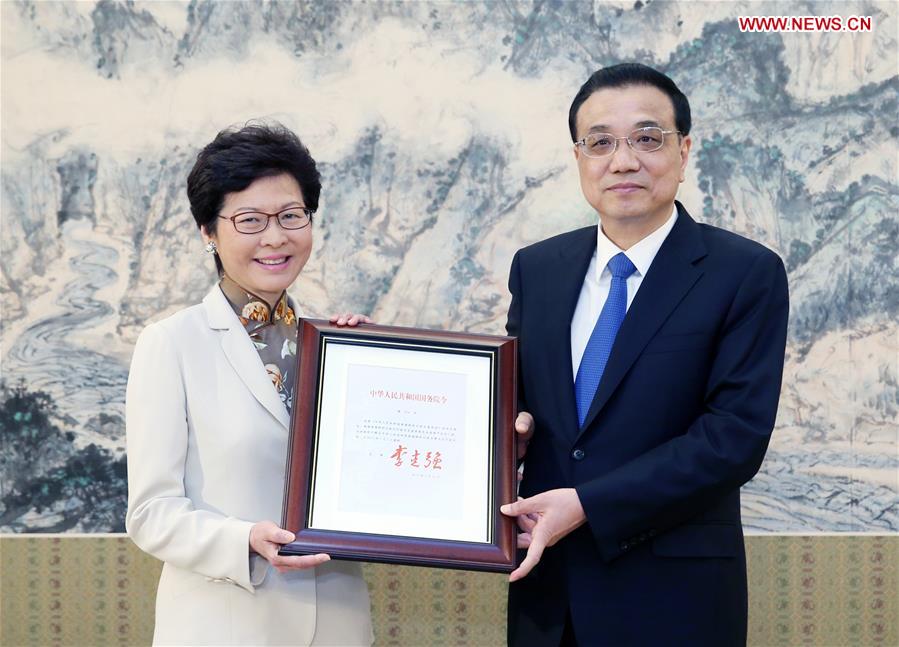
(47, 484)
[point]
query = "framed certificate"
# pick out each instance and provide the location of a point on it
(402, 447)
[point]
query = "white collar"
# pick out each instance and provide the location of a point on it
(641, 254)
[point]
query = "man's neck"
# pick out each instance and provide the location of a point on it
(627, 232)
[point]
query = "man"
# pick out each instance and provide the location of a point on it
(651, 353)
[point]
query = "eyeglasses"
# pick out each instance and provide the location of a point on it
(642, 140)
(252, 222)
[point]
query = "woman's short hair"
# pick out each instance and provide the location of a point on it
(239, 156)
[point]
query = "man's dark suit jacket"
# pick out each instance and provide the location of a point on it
(681, 419)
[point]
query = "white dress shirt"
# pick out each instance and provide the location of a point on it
(598, 280)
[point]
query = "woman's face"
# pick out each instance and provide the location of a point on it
(265, 263)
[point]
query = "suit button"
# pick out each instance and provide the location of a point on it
(578, 454)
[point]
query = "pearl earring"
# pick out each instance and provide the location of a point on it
(211, 248)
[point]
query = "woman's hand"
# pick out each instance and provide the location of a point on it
(350, 319)
(266, 538)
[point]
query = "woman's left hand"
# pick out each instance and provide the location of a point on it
(266, 538)
(349, 319)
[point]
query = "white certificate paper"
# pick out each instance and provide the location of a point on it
(403, 444)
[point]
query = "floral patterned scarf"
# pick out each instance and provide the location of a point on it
(273, 333)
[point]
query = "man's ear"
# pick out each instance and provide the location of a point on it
(685, 146)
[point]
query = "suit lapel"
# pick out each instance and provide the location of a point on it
(241, 354)
(672, 273)
(567, 279)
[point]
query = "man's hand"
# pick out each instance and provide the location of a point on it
(524, 427)
(266, 538)
(545, 518)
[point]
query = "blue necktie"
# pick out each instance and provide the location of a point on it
(599, 347)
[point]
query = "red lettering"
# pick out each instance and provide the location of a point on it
(398, 455)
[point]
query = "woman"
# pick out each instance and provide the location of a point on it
(208, 409)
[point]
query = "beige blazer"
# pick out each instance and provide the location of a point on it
(207, 445)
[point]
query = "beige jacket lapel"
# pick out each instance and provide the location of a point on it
(242, 355)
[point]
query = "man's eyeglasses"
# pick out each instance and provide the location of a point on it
(642, 140)
(252, 222)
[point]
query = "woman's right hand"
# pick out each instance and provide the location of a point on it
(266, 538)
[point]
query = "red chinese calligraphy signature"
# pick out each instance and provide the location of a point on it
(432, 459)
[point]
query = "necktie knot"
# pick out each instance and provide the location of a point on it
(620, 266)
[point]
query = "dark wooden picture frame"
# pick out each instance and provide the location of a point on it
(498, 554)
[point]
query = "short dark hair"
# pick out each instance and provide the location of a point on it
(626, 74)
(239, 156)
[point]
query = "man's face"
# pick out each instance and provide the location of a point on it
(629, 187)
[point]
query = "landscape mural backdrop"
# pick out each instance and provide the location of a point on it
(441, 133)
